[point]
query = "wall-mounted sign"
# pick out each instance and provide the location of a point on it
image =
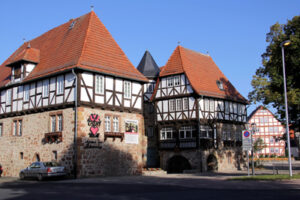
(131, 132)
(94, 122)
(91, 143)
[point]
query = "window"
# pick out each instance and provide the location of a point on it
(107, 124)
(45, 88)
(178, 104)
(53, 123)
(60, 85)
(187, 132)
(185, 104)
(17, 127)
(220, 85)
(172, 105)
(8, 97)
(60, 122)
(56, 123)
(271, 140)
(206, 132)
(166, 133)
(1, 129)
(116, 124)
(26, 93)
(176, 80)
(21, 155)
(271, 129)
(150, 87)
(170, 81)
(54, 155)
(238, 135)
(127, 89)
(206, 104)
(17, 72)
(99, 84)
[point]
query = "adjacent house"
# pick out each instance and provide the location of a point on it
(270, 131)
(199, 115)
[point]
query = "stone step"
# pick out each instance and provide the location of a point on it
(153, 171)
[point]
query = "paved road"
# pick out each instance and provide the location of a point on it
(150, 187)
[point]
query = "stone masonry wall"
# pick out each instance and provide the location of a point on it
(115, 157)
(34, 127)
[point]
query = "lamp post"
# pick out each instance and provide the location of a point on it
(282, 45)
(253, 130)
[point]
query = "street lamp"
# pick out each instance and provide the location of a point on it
(282, 45)
(253, 130)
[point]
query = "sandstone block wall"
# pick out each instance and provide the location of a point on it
(34, 127)
(115, 157)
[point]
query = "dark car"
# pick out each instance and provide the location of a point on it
(41, 170)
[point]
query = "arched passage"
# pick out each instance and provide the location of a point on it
(177, 164)
(212, 163)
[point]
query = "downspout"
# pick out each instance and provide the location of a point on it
(75, 125)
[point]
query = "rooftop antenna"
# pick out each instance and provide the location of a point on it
(207, 53)
(178, 42)
(24, 39)
(28, 45)
(92, 8)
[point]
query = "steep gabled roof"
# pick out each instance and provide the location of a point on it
(83, 42)
(148, 66)
(202, 73)
(29, 54)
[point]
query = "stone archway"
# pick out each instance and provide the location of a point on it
(212, 163)
(177, 164)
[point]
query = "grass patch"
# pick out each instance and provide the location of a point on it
(267, 177)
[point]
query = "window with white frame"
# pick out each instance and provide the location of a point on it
(186, 132)
(116, 124)
(60, 85)
(17, 127)
(127, 89)
(206, 131)
(178, 104)
(226, 133)
(206, 104)
(99, 84)
(26, 93)
(56, 123)
(53, 123)
(170, 81)
(166, 133)
(176, 80)
(1, 129)
(185, 104)
(150, 87)
(8, 97)
(171, 105)
(45, 88)
(107, 124)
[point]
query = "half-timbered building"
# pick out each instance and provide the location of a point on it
(73, 96)
(270, 131)
(199, 114)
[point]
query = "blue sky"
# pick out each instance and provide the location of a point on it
(232, 31)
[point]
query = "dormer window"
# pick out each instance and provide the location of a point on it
(17, 72)
(220, 85)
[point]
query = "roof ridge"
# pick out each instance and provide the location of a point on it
(85, 38)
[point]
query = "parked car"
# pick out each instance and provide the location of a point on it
(41, 170)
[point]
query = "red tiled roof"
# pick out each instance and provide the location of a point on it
(27, 54)
(87, 45)
(202, 73)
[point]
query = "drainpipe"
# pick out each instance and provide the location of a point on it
(75, 125)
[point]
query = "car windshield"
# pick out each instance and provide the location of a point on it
(51, 164)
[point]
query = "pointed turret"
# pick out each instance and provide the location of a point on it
(148, 66)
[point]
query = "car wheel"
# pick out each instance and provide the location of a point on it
(22, 176)
(40, 177)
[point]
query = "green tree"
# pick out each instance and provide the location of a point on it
(258, 145)
(267, 83)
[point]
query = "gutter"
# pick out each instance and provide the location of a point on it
(75, 125)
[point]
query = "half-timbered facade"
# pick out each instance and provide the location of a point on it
(200, 115)
(71, 95)
(270, 131)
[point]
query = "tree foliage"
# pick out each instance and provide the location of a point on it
(267, 83)
(258, 145)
